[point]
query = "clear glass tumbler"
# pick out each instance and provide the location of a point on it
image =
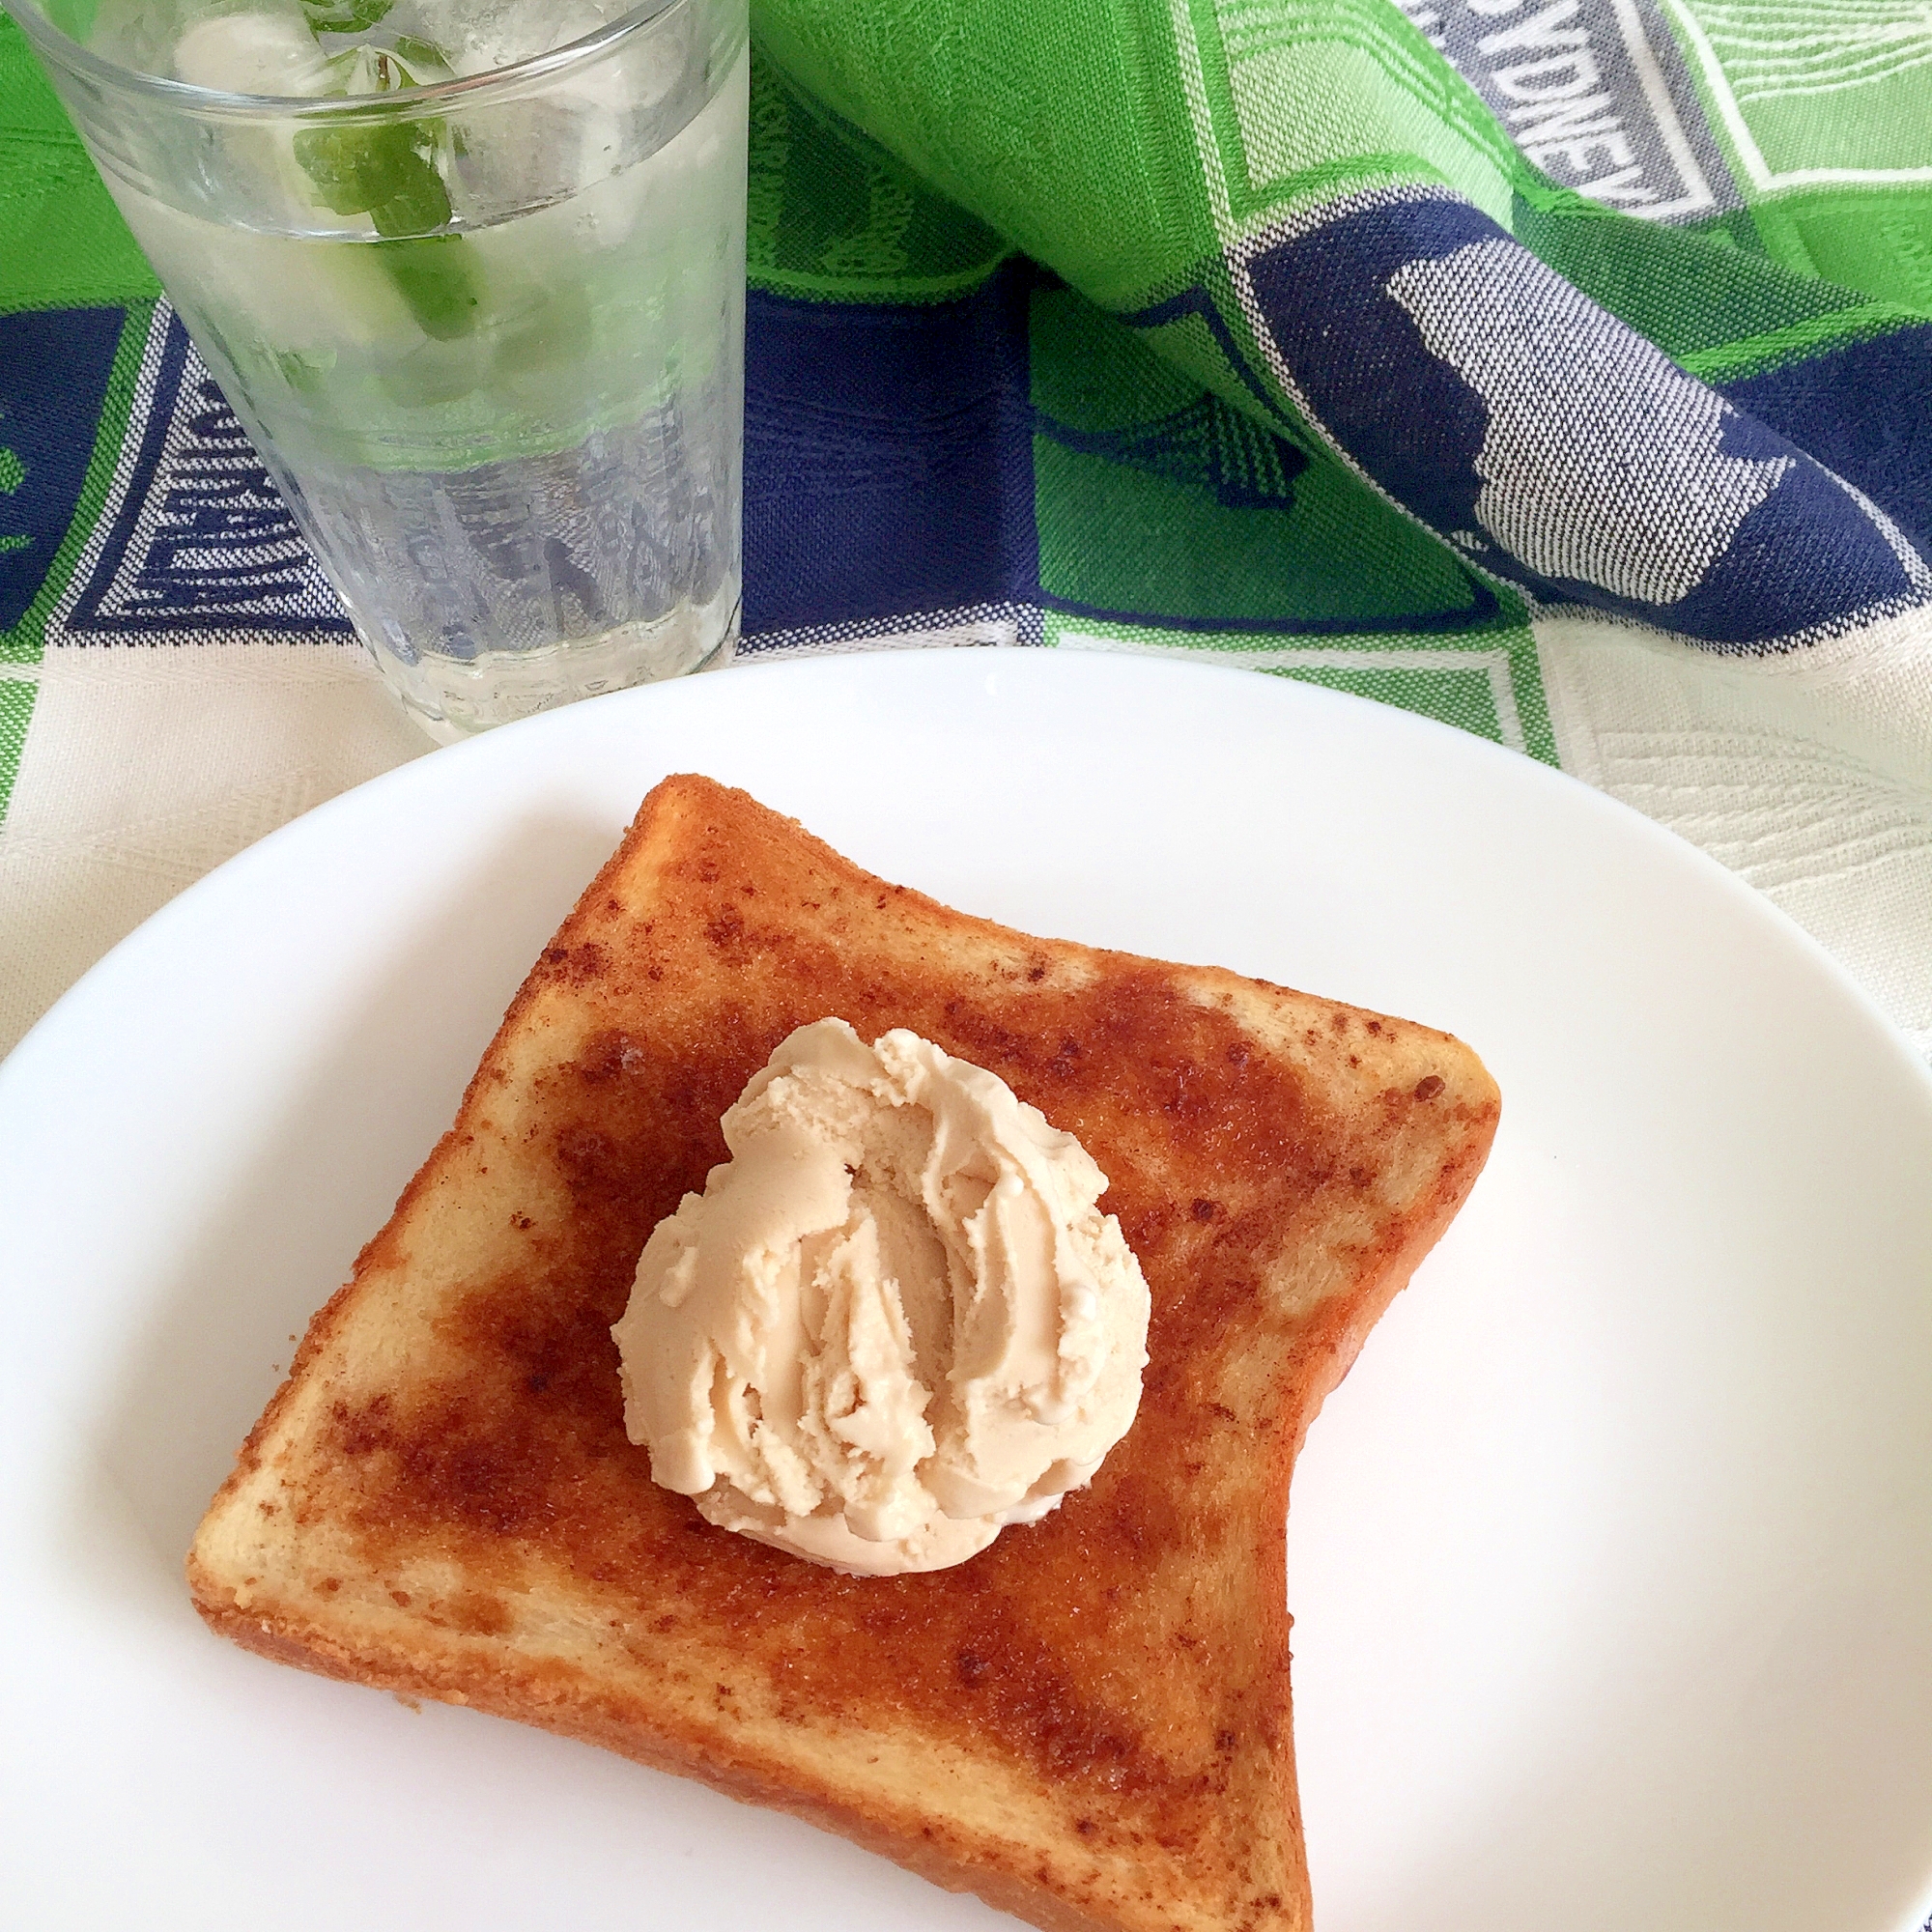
(486, 328)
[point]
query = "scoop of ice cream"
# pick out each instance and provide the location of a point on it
(895, 1322)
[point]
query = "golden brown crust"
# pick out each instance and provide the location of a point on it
(1088, 1723)
(929, 1859)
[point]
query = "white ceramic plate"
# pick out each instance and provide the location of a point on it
(1611, 1563)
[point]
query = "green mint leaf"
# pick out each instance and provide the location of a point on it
(332, 159)
(417, 54)
(412, 199)
(344, 16)
(385, 171)
(434, 276)
(388, 173)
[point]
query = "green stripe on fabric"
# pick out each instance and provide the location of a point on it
(1875, 239)
(832, 215)
(1690, 294)
(1331, 554)
(903, 289)
(1734, 362)
(1464, 696)
(1734, 228)
(1291, 86)
(1233, 525)
(1078, 146)
(1195, 347)
(1532, 703)
(63, 243)
(16, 707)
(25, 643)
(1721, 311)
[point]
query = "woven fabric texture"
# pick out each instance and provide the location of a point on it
(1561, 369)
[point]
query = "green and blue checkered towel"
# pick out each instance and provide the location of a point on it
(1561, 368)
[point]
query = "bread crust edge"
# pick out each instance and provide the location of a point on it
(1003, 1891)
(1325, 1353)
(1339, 1338)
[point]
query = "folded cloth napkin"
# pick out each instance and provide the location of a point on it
(1560, 368)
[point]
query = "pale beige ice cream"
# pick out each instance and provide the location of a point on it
(895, 1322)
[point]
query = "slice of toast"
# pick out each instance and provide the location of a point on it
(1088, 1723)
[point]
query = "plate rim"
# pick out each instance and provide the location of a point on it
(269, 854)
(917, 662)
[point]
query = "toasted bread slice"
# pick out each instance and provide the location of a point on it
(1087, 1725)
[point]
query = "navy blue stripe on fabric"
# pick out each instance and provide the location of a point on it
(1555, 446)
(203, 541)
(888, 456)
(889, 470)
(1864, 410)
(54, 366)
(154, 439)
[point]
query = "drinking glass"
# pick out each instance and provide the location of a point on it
(484, 323)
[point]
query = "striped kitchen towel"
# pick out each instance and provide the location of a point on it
(1559, 368)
